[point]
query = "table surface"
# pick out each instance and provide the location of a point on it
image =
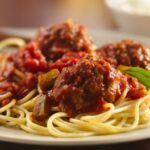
(139, 145)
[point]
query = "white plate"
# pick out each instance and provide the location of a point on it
(18, 136)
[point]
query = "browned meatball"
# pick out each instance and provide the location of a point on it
(56, 40)
(82, 88)
(127, 52)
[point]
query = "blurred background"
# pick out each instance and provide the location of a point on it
(131, 16)
(35, 13)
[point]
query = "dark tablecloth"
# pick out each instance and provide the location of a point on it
(138, 145)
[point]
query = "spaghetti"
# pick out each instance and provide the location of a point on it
(124, 117)
(78, 95)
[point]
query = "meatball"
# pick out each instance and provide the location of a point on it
(83, 87)
(127, 52)
(56, 40)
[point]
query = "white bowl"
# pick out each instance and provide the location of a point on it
(128, 21)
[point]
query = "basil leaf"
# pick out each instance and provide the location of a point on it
(139, 70)
(141, 74)
(144, 80)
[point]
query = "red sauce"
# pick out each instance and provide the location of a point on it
(30, 59)
(30, 62)
(5, 102)
(69, 59)
(136, 90)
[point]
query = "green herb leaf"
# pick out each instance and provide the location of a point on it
(140, 70)
(141, 74)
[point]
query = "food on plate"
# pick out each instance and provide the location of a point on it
(127, 52)
(60, 85)
(56, 40)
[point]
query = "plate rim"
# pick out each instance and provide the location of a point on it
(84, 141)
